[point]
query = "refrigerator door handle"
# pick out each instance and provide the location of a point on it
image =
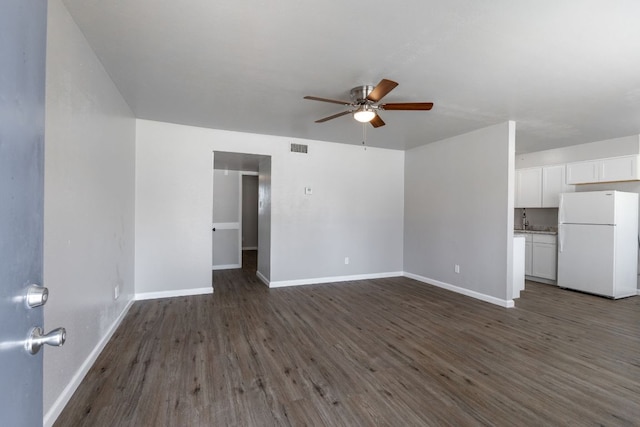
(560, 237)
(561, 209)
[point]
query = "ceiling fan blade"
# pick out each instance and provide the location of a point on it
(384, 87)
(333, 117)
(377, 121)
(334, 101)
(411, 106)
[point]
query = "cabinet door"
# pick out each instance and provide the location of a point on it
(529, 188)
(553, 183)
(528, 254)
(544, 261)
(619, 169)
(582, 172)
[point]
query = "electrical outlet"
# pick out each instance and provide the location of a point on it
(116, 292)
(456, 268)
(346, 260)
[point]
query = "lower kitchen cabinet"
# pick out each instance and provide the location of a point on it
(541, 256)
(545, 257)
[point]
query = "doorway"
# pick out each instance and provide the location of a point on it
(241, 212)
(249, 224)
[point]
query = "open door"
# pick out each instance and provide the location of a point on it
(22, 85)
(227, 220)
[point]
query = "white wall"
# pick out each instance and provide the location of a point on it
(593, 150)
(89, 202)
(459, 210)
(355, 211)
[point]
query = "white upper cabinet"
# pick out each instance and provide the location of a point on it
(604, 170)
(553, 184)
(528, 188)
(619, 169)
(540, 187)
(582, 172)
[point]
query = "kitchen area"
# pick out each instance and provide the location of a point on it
(536, 218)
(586, 242)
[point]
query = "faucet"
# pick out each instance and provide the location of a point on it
(525, 221)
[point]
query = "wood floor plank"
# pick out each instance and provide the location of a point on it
(384, 352)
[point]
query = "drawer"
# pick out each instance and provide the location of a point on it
(527, 237)
(545, 238)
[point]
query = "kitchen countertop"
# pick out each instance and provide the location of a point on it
(549, 231)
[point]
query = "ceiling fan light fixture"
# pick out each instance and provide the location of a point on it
(364, 114)
(365, 103)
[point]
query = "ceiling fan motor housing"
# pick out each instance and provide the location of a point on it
(359, 94)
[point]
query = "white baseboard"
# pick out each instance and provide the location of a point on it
(56, 409)
(175, 293)
(473, 294)
(225, 266)
(262, 278)
(318, 280)
(541, 280)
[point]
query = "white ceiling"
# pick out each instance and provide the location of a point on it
(567, 72)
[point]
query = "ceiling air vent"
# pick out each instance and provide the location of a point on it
(298, 148)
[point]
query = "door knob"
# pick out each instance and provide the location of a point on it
(36, 340)
(36, 296)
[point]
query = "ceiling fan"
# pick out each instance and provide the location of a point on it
(365, 105)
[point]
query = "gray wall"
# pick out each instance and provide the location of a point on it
(355, 211)
(249, 212)
(459, 210)
(89, 204)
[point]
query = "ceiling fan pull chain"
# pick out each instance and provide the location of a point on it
(364, 135)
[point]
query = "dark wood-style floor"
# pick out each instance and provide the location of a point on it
(391, 352)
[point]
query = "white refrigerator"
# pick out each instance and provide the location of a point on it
(598, 243)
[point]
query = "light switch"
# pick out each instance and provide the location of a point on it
(308, 191)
